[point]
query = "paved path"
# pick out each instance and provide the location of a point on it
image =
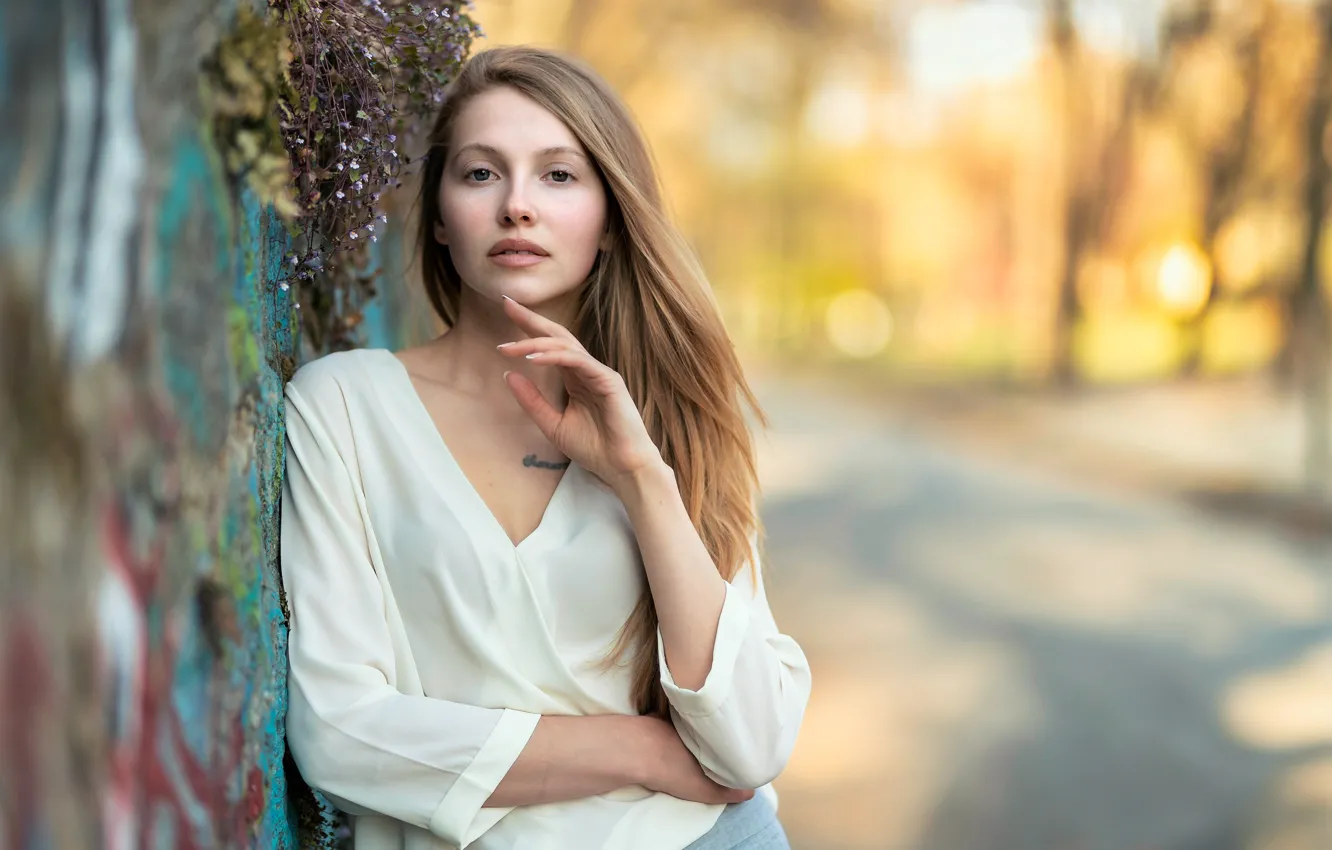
(1009, 660)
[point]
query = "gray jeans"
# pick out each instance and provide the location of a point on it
(751, 825)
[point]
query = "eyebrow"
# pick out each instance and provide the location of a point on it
(495, 152)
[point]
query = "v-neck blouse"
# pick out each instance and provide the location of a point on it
(424, 645)
(454, 482)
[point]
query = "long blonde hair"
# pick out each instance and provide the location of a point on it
(646, 311)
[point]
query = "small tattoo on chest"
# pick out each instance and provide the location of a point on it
(531, 460)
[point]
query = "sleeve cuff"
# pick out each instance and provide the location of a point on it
(456, 816)
(732, 626)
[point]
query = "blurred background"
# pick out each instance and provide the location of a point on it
(1034, 292)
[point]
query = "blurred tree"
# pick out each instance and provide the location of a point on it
(1097, 156)
(807, 27)
(1077, 203)
(1308, 307)
(1223, 147)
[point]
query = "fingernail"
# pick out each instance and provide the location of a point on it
(534, 355)
(506, 298)
(504, 345)
(506, 374)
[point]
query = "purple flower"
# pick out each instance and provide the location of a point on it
(339, 166)
(339, 194)
(392, 138)
(284, 286)
(353, 234)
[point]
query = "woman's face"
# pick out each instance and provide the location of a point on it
(523, 208)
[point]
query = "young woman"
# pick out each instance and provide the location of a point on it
(521, 561)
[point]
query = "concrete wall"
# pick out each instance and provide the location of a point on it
(145, 345)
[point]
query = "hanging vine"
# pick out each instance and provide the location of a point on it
(364, 77)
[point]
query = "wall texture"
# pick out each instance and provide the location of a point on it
(145, 344)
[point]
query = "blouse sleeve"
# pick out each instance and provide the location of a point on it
(368, 747)
(741, 724)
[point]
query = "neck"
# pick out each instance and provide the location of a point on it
(474, 365)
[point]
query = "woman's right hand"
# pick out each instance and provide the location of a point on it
(670, 768)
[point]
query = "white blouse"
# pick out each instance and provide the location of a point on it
(424, 645)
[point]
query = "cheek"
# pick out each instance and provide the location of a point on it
(586, 220)
(461, 218)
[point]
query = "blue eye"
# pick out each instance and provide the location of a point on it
(560, 176)
(484, 172)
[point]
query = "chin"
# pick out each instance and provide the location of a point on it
(531, 292)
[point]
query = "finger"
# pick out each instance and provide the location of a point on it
(524, 347)
(533, 403)
(594, 374)
(534, 323)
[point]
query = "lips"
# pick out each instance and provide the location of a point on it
(517, 247)
(517, 254)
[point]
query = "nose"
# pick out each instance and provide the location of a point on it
(517, 208)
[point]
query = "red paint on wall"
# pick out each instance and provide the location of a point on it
(159, 786)
(25, 692)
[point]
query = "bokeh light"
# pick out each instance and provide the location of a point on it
(859, 323)
(1184, 280)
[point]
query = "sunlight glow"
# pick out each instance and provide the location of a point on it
(839, 113)
(1184, 280)
(859, 323)
(951, 48)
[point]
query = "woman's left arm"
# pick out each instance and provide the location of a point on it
(737, 686)
(687, 590)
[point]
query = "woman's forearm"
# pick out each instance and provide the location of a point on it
(686, 589)
(568, 758)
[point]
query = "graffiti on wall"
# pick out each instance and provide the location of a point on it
(142, 644)
(142, 639)
(100, 171)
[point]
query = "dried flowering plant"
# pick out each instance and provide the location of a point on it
(365, 76)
